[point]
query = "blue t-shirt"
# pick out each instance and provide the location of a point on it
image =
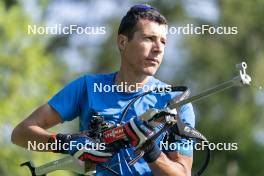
(83, 96)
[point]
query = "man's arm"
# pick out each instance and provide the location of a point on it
(172, 164)
(33, 128)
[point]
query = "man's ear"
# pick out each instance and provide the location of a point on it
(122, 42)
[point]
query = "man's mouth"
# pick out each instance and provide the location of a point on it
(152, 60)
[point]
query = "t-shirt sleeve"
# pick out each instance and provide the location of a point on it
(67, 102)
(182, 145)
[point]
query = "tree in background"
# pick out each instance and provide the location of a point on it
(235, 114)
(29, 75)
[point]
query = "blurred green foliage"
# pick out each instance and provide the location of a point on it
(31, 71)
(29, 75)
(233, 115)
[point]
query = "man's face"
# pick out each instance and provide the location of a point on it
(143, 54)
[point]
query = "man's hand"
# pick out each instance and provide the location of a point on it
(161, 164)
(83, 147)
(138, 133)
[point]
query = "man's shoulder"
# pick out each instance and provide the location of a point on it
(98, 77)
(161, 84)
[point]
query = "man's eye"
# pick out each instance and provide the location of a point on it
(164, 42)
(148, 38)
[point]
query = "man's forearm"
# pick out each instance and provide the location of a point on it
(23, 134)
(34, 127)
(164, 166)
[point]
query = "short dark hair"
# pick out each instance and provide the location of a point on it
(142, 11)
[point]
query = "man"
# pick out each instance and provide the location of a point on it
(141, 40)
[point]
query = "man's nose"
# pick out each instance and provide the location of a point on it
(158, 46)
